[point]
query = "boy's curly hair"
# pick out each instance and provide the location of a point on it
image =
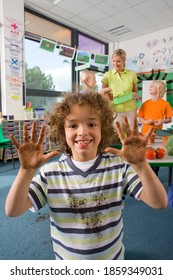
(98, 105)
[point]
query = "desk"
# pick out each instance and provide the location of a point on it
(166, 161)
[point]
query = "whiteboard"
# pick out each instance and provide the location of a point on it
(145, 90)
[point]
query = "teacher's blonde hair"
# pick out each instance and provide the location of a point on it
(121, 53)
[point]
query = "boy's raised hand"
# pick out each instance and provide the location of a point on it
(133, 144)
(31, 151)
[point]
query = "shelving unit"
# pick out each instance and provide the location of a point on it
(15, 127)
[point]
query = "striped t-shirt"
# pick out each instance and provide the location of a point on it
(86, 206)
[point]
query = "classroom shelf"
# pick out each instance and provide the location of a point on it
(16, 128)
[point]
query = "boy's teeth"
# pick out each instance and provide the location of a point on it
(83, 142)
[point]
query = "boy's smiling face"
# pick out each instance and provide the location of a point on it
(83, 132)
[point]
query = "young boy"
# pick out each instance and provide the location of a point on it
(86, 188)
(155, 111)
(88, 80)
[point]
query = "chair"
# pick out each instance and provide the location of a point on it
(5, 143)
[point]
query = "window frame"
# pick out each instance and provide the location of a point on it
(74, 42)
(92, 67)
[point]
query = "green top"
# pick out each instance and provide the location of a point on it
(121, 85)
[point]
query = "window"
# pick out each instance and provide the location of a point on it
(47, 73)
(51, 64)
(89, 44)
(42, 27)
(94, 47)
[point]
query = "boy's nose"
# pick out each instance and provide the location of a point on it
(82, 131)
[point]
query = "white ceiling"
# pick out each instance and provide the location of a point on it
(97, 17)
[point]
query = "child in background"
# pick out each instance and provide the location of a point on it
(86, 187)
(155, 111)
(88, 80)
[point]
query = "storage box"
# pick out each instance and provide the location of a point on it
(28, 113)
(39, 113)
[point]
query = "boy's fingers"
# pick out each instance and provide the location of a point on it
(14, 141)
(126, 126)
(41, 134)
(25, 133)
(34, 132)
(113, 151)
(135, 126)
(52, 154)
(119, 131)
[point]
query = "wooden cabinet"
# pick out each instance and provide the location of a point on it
(15, 127)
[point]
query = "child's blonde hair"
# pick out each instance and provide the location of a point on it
(161, 85)
(85, 75)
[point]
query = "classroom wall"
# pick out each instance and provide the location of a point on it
(11, 57)
(152, 51)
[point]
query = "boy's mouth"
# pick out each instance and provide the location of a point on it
(81, 142)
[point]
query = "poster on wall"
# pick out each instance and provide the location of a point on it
(47, 45)
(132, 64)
(83, 56)
(67, 51)
(13, 29)
(101, 59)
(82, 67)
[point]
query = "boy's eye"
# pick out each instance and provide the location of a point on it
(70, 125)
(92, 125)
(73, 126)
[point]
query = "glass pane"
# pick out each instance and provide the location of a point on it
(43, 101)
(99, 77)
(91, 45)
(46, 29)
(49, 66)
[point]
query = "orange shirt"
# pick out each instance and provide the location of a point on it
(154, 110)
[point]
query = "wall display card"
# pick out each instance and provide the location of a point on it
(47, 45)
(101, 59)
(83, 56)
(82, 67)
(132, 64)
(67, 51)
